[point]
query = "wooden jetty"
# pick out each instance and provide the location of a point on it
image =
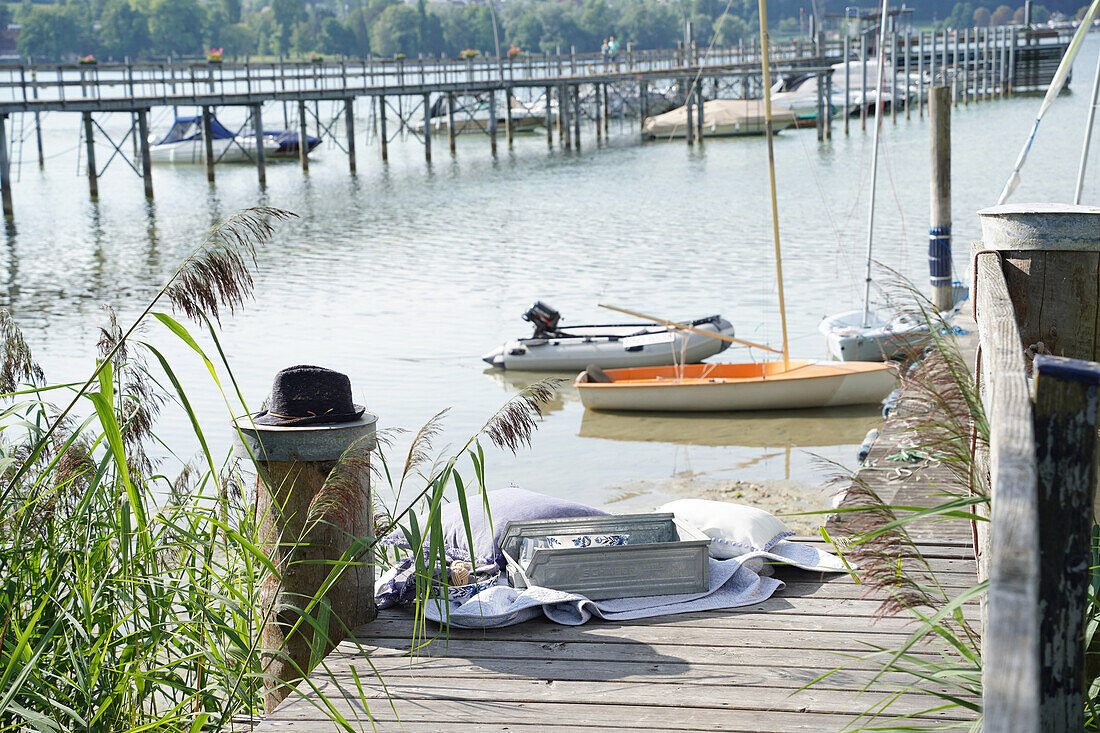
(733, 670)
(569, 88)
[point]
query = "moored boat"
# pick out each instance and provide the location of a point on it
(766, 385)
(184, 143)
(568, 348)
(721, 118)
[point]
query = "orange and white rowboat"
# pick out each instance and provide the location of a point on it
(727, 387)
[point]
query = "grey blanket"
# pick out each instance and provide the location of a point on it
(740, 581)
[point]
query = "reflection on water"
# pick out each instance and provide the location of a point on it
(402, 276)
(784, 428)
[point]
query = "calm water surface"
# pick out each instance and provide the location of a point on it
(402, 275)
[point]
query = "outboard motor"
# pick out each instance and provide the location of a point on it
(544, 318)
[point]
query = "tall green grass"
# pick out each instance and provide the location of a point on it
(131, 598)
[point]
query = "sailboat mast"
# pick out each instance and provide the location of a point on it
(765, 63)
(874, 159)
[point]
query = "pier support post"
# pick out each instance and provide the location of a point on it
(699, 110)
(258, 133)
(563, 117)
(847, 79)
(863, 81)
(508, 116)
(303, 148)
(38, 140)
(308, 549)
(689, 108)
(549, 117)
(349, 125)
(577, 117)
(89, 143)
(643, 103)
(599, 112)
(427, 128)
(5, 169)
(493, 121)
(207, 141)
(607, 110)
(451, 122)
(939, 230)
(383, 137)
(146, 158)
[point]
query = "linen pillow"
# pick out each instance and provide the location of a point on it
(734, 529)
(505, 505)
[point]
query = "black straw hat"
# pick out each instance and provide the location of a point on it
(309, 395)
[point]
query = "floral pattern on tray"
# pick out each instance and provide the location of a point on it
(588, 540)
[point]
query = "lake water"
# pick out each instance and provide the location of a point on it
(404, 274)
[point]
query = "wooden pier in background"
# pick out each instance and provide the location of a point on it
(978, 63)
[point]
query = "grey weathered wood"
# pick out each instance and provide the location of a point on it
(427, 128)
(549, 121)
(689, 105)
(349, 129)
(258, 133)
(207, 143)
(493, 121)
(1066, 395)
(303, 149)
(939, 234)
(5, 169)
(143, 143)
(451, 122)
(383, 136)
(1011, 641)
(576, 119)
(508, 131)
(89, 150)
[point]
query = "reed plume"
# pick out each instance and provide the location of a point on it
(17, 366)
(218, 275)
(512, 426)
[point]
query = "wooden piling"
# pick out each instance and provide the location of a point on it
(599, 112)
(920, 74)
(577, 116)
(207, 141)
(451, 122)
(303, 148)
(643, 102)
(955, 77)
(699, 110)
(863, 81)
(563, 117)
(37, 122)
(847, 79)
(939, 230)
(893, 78)
(89, 150)
(5, 169)
(427, 128)
(689, 135)
(383, 137)
(607, 111)
(508, 116)
(146, 158)
(258, 133)
(308, 545)
(492, 121)
(549, 121)
(349, 130)
(908, 57)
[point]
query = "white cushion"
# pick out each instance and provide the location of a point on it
(734, 529)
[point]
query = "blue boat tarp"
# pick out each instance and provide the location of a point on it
(190, 128)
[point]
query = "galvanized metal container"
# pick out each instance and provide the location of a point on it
(661, 557)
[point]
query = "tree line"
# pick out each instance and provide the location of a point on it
(138, 29)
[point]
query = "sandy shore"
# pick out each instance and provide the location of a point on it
(787, 499)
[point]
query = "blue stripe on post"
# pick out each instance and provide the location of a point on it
(939, 255)
(1066, 369)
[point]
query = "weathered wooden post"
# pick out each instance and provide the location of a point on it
(451, 122)
(563, 117)
(427, 128)
(939, 229)
(89, 143)
(349, 128)
(699, 110)
(508, 116)
(37, 121)
(303, 147)
(607, 111)
(599, 112)
(146, 158)
(643, 102)
(549, 121)
(5, 169)
(317, 535)
(920, 74)
(862, 81)
(258, 133)
(383, 137)
(493, 121)
(577, 116)
(689, 106)
(207, 142)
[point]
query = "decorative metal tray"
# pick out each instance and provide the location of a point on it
(661, 557)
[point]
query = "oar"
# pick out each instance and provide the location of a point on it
(682, 327)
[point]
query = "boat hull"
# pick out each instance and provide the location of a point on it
(610, 347)
(734, 387)
(225, 151)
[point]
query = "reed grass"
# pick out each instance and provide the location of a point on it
(131, 598)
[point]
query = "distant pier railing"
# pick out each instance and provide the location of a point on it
(978, 63)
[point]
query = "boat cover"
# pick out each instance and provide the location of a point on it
(748, 113)
(190, 128)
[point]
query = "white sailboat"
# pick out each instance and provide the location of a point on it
(886, 332)
(777, 384)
